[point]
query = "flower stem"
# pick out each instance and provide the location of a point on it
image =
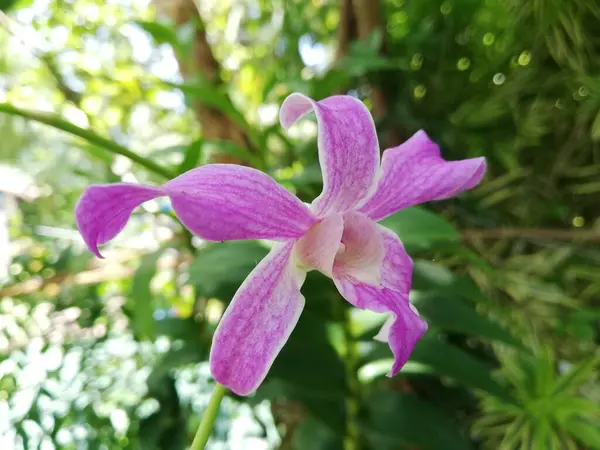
(352, 438)
(206, 424)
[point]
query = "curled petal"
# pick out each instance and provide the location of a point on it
(225, 202)
(348, 149)
(258, 322)
(103, 210)
(363, 251)
(415, 172)
(403, 329)
(318, 247)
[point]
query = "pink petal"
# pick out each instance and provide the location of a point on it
(397, 268)
(103, 210)
(318, 247)
(364, 249)
(404, 328)
(415, 172)
(258, 322)
(348, 148)
(225, 202)
(407, 327)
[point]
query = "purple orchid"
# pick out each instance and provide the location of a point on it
(337, 234)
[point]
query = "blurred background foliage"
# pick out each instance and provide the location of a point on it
(111, 354)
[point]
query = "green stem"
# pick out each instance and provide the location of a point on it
(206, 424)
(352, 438)
(61, 124)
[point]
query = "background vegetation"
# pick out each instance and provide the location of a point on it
(112, 354)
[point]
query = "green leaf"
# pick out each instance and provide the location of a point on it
(141, 296)
(480, 112)
(231, 148)
(13, 5)
(576, 376)
(161, 33)
(192, 156)
(428, 276)
(450, 313)
(396, 419)
(216, 97)
(586, 432)
(449, 360)
(309, 362)
(434, 356)
(595, 131)
(312, 435)
(321, 296)
(310, 371)
(93, 138)
(419, 228)
(220, 268)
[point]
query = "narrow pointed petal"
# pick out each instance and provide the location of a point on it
(225, 202)
(348, 149)
(415, 172)
(103, 210)
(258, 322)
(364, 249)
(318, 247)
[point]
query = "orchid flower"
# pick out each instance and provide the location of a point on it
(337, 234)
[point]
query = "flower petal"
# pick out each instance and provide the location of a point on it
(402, 332)
(397, 267)
(225, 201)
(364, 249)
(318, 247)
(415, 172)
(258, 322)
(348, 149)
(404, 329)
(103, 210)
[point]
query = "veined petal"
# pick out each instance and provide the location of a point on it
(258, 322)
(415, 172)
(348, 149)
(103, 210)
(318, 247)
(364, 249)
(402, 332)
(397, 267)
(403, 329)
(225, 202)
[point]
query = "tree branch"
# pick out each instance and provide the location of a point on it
(578, 235)
(215, 124)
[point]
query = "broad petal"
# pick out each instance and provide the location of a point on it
(348, 149)
(225, 202)
(364, 249)
(404, 328)
(318, 247)
(415, 172)
(258, 322)
(103, 210)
